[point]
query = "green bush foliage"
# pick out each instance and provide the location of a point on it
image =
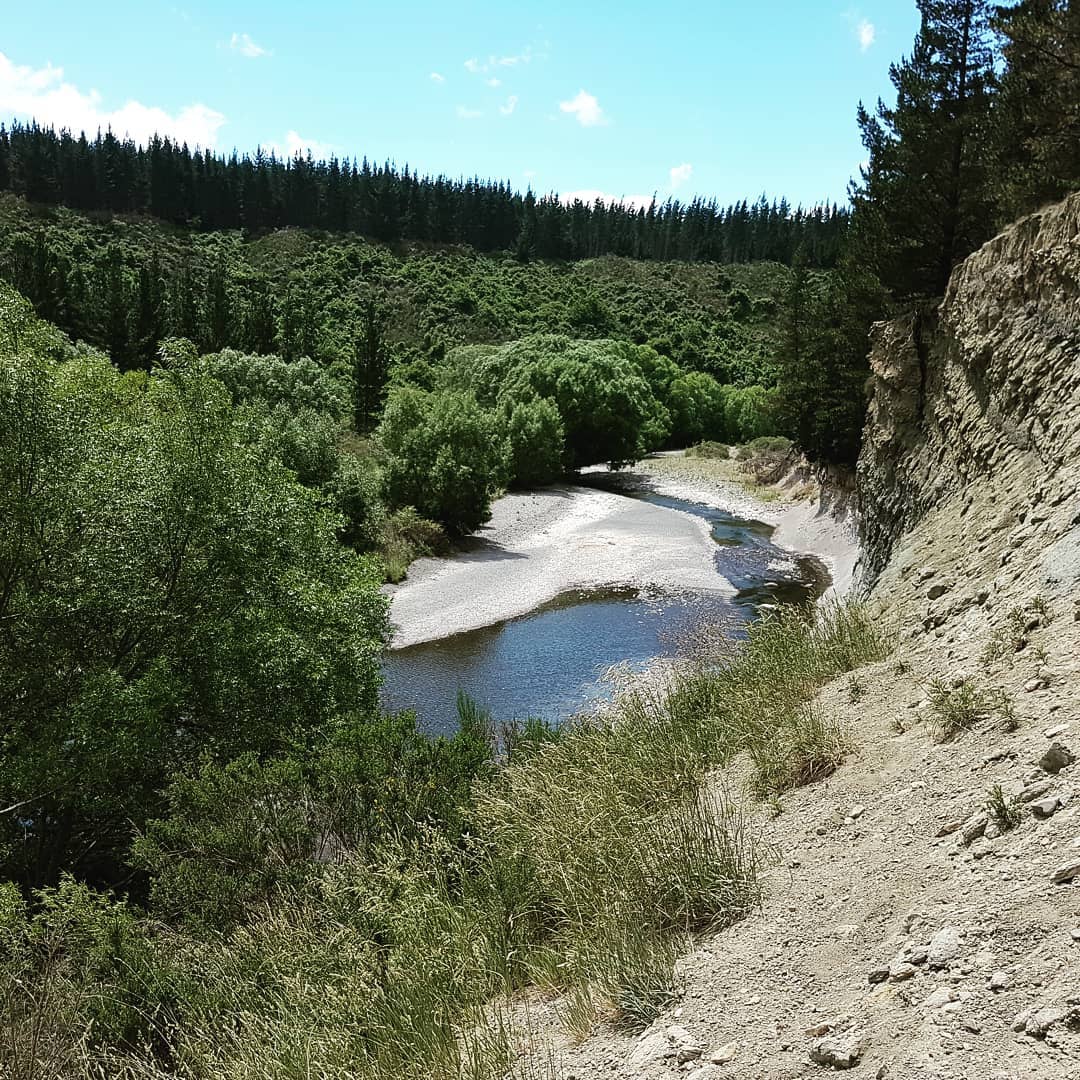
(445, 455)
(605, 403)
(168, 589)
(534, 431)
(713, 450)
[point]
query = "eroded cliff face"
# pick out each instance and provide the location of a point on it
(980, 401)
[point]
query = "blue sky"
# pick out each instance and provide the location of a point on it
(725, 99)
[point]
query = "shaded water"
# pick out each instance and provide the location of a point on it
(548, 663)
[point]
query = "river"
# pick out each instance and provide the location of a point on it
(549, 660)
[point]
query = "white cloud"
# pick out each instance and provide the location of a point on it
(522, 57)
(475, 66)
(679, 174)
(295, 144)
(243, 44)
(465, 113)
(510, 106)
(493, 82)
(586, 108)
(435, 77)
(43, 95)
(866, 34)
(590, 195)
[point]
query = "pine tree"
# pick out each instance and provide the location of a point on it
(217, 310)
(113, 329)
(149, 326)
(260, 323)
(1037, 119)
(925, 193)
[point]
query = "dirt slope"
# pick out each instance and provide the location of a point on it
(898, 926)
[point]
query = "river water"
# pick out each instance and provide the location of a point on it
(550, 663)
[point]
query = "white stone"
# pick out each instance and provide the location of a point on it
(722, 1054)
(943, 948)
(652, 1048)
(943, 995)
(839, 1051)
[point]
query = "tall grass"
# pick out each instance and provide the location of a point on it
(590, 860)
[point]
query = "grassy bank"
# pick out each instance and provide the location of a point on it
(588, 860)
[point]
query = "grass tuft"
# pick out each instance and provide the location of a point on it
(956, 708)
(1002, 809)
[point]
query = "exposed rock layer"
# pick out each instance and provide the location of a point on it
(986, 388)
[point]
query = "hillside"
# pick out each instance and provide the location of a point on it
(921, 918)
(125, 282)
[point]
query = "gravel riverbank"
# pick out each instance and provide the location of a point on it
(542, 544)
(801, 524)
(539, 545)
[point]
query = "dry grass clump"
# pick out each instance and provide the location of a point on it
(805, 748)
(754, 695)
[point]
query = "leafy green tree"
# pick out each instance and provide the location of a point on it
(114, 300)
(535, 435)
(302, 384)
(168, 593)
(259, 318)
(748, 413)
(445, 455)
(606, 405)
(696, 402)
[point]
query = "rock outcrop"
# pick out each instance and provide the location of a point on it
(985, 388)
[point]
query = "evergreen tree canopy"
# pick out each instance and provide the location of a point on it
(923, 195)
(1037, 136)
(200, 190)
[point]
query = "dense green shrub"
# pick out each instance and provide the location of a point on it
(251, 830)
(403, 536)
(297, 384)
(445, 455)
(535, 435)
(608, 411)
(696, 402)
(748, 413)
(169, 590)
(715, 450)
